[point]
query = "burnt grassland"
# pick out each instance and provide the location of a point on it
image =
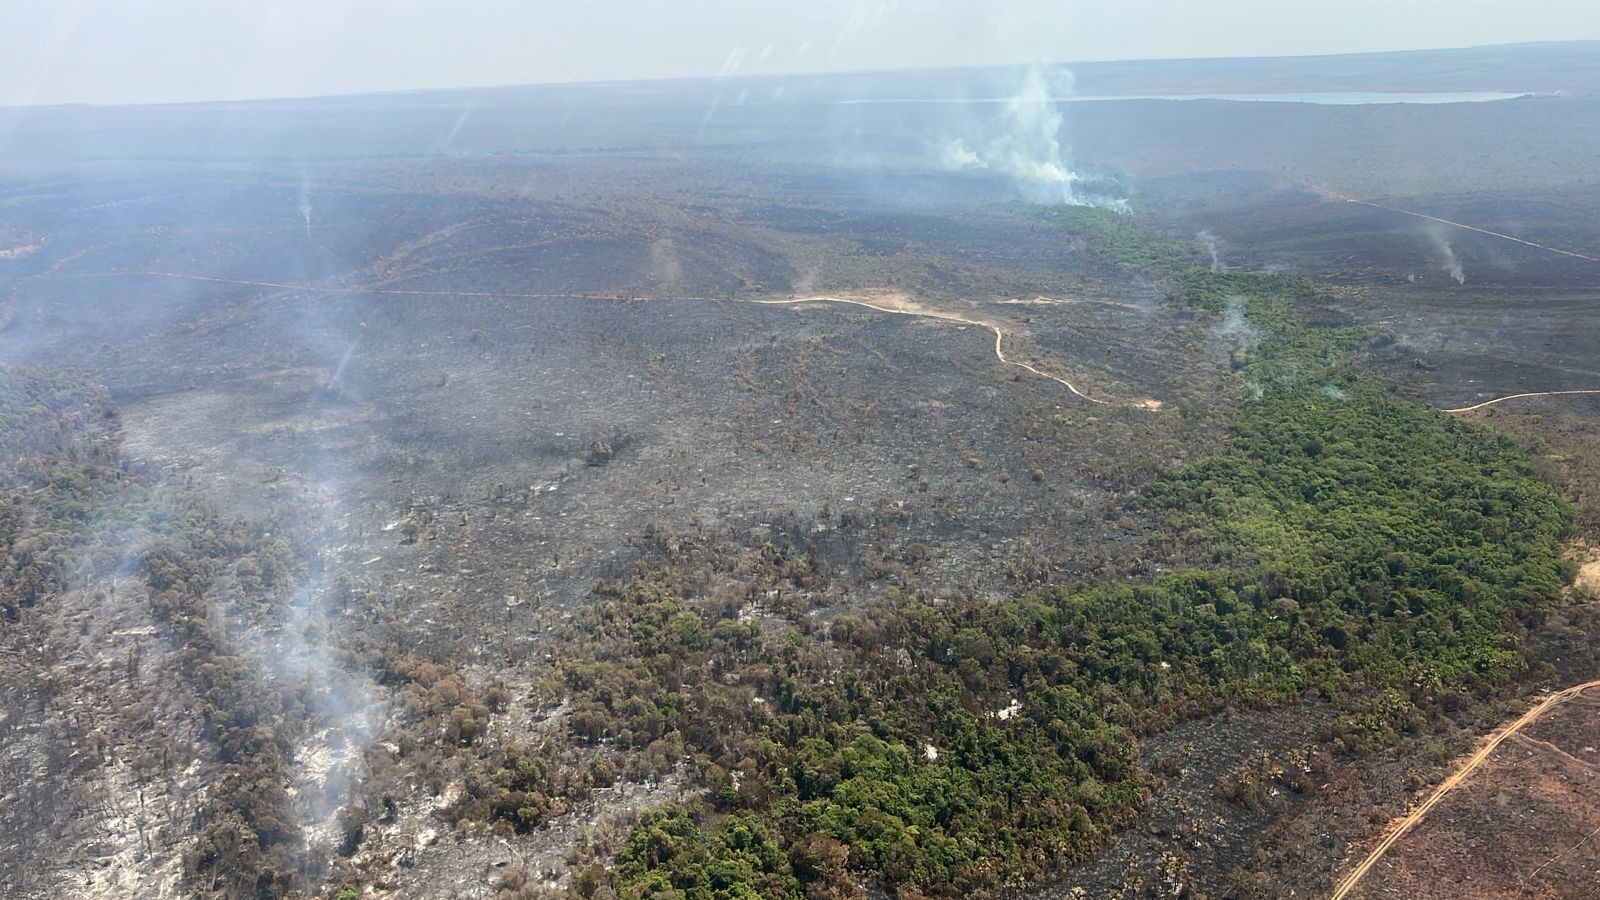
(873, 611)
(841, 696)
(967, 744)
(426, 465)
(146, 746)
(469, 418)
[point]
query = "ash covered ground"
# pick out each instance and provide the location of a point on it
(461, 384)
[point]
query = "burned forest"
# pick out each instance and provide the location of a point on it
(1143, 480)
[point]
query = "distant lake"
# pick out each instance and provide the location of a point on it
(1325, 98)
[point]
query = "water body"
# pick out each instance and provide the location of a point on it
(1324, 98)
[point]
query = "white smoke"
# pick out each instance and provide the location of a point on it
(342, 707)
(665, 266)
(1234, 331)
(954, 154)
(305, 200)
(1447, 255)
(1209, 242)
(1236, 337)
(1024, 144)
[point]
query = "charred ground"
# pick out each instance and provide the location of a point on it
(425, 488)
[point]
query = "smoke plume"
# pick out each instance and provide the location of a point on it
(1023, 143)
(1235, 331)
(1209, 242)
(305, 200)
(1447, 255)
(342, 707)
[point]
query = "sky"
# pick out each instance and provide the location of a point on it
(148, 51)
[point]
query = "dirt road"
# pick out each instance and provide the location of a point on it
(1349, 882)
(999, 337)
(905, 309)
(1477, 406)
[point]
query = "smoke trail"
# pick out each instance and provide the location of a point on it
(343, 709)
(1234, 331)
(1209, 241)
(305, 200)
(665, 267)
(1447, 255)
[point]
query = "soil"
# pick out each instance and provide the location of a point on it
(1523, 825)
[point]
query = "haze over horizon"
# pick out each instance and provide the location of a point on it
(99, 51)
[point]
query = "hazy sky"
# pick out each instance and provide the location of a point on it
(131, 51)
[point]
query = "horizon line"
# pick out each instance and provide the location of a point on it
(824, 73)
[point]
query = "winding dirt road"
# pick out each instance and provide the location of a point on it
(1350, 880)
(903, 310)
(909, 310)
(999, 337)
(1477, 406)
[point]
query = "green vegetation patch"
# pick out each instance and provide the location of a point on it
(1119, 239)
